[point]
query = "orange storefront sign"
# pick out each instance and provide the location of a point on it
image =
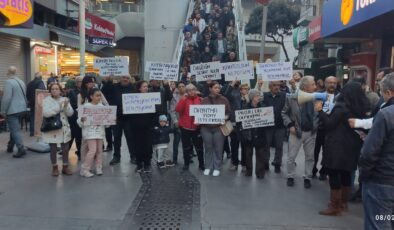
(16, 12)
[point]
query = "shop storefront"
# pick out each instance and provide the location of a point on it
(69, 63)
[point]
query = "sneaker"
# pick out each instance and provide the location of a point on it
(207, 172)
(201, 167)
(216, 173)
(260, 177)
(243, 169)
(99, 171)
(233, 167)
(86, 173)
(277, 169)
(307, 183)
(114, 161)
(21, 152)
(290, 182)
(161, 165)
(169, 163)
(147, 169)
(139, 169)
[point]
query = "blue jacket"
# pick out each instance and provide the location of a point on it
(377, 154)
(14, 99)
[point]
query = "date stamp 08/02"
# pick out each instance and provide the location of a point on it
(384, 217)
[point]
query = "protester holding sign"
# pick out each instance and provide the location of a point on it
(254, 139)
(190, 132)
(211, 133)
(122, 120)
(93, 135)
(141, 126)
(165, 94)
(52, 106)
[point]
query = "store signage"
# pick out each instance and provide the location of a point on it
(339, 15)
(101, 41)
(315, 29)
(17, 13)
(42, 50)
(99, 27)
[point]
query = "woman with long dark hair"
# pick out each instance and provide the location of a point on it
(342, 146)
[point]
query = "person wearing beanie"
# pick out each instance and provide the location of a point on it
(253, 138)
(161, 140)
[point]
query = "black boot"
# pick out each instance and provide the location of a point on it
(10, 147)
(21, 152)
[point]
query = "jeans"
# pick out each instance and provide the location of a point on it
(192, 138)
(378, 202)
(14, 125)
(31, 128)
(277, 135)
(175, 145)
(213, 142)
(122, 125)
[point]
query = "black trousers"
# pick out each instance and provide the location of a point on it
(142, 145)
(260, 159)
(109, 137)
(189, 139)
(76, 134)
(122, 125)
(318, 146)
(339, 178)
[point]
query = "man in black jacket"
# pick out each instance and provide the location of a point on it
(36, 83)
(165, 94)
(122, 121)
(106, 88)
(276, 133)
(377, 164)
(76, 131)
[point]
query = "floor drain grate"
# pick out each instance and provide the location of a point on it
(168, 200)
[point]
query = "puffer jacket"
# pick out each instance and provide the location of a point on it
(183, 107)
(161, 134)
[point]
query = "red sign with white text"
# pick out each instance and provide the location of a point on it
(99, 27)
(42, 50)
(315, 29)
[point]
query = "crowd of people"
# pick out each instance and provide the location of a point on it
(340, 126)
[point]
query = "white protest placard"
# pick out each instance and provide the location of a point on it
(115, 66)
(206, 71)
(162, 71)
(136, 103)
(98, 115)
(275, 71)
(241, 70)
(208, 114)
(254, 118)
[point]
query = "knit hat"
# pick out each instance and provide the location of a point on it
(162, 118)
(70, 84)
(253, 93)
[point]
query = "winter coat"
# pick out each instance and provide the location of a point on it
(92, 131)
(233, 95)
(342, 144)
(217, 100)
(161, 134)
(255, 136)
(377, 154)
(51, 107)
(278, 102)
(14, 97)
(183, 108)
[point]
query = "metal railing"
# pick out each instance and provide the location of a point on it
(176, 57)
(113, 8)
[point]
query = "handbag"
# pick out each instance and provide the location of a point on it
(227, 128)
(51, 123)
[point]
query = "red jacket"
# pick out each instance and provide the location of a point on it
(185, 120)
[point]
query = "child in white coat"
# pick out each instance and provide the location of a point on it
(94, 136)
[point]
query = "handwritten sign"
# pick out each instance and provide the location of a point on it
(137, 103)
(206, 71)
(254, 118)
(162, 71)
(275, 71)
(242, 70)
(38, 116)
(207, 114)
(116, 66)
(102, 115)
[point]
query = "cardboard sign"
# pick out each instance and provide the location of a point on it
(115, 66)
(162, 71)
(98, 115)
(254, 118)
(275, 71)
(242, 70)
(206, 71)
(38, 116)
(208, 114)
(137, 103)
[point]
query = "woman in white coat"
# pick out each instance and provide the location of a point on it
(53, 105)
